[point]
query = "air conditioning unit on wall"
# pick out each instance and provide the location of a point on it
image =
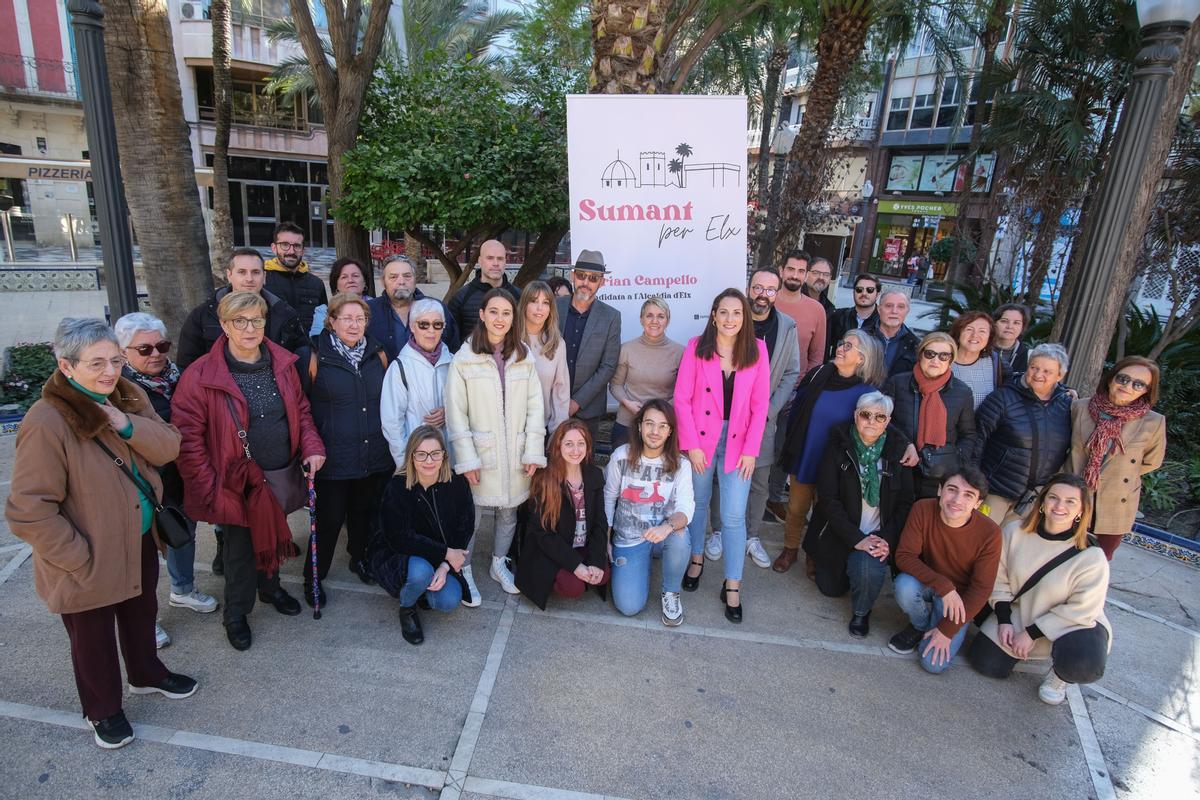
(193, 10)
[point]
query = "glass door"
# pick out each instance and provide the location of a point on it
(262, 212)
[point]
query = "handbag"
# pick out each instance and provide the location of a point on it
(174, 526)
(286, 483)
(1043, 571)
(938, 462)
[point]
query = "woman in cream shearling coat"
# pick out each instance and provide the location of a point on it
(496, 421)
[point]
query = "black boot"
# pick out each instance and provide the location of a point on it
(218, 564)
(410, 625)
(860, 625)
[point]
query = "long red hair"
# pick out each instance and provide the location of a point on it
(548, 483)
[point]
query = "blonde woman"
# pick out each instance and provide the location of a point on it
(646, 367)
(538, 321)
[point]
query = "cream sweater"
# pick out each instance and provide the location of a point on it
(1069, 598)
(645, 370)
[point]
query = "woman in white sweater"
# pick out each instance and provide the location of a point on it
(537, 318)
(1060, 615)
(496, 422)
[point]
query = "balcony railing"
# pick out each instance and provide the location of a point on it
(283, 119)
(38, 77)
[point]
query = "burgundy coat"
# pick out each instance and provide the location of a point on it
(210, 439)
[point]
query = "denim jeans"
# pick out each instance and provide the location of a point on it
(420, 573)
(631, 571)
(180, 566)
(924, 609)
(863, 578)
(735, 492)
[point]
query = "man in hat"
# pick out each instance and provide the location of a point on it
(591, 331)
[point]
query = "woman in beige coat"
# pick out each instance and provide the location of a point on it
(1115, 440)
(95, 549)
(1059, 617)
(496, 421)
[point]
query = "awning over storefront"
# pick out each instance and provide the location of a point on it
(49, 169)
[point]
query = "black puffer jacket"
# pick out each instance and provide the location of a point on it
(345, 408)
(960, 411)
(1021, 441)
(833, 530)
(465, 305)
(303, 291)
(203, 327)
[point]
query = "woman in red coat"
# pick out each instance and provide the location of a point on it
(245, 383)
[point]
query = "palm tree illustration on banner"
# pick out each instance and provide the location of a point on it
(675, 167)
(683, 150)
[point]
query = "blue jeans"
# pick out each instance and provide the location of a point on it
(631, 571)
(924, 609)
(180, 566)
(863, 577)
(734, 493)
(420, 573)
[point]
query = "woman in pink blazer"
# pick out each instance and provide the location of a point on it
(721, 398)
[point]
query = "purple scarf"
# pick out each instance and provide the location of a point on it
(433, 357)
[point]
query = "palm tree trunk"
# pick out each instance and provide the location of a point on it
(626, 54)
(221, 246)
(1050, 210)
(775, 64)
(156, 158)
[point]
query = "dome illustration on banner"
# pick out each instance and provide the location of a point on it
(655, 170)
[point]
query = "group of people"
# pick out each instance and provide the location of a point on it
(880, 451)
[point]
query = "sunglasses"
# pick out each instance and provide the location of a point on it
(1124, 380)
(867, 416)
(425, 325)
(144, 350)
(864, 290)
(930, 355)
(588, 277)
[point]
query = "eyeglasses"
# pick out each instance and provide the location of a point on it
(100, 364)
(429, 455)
(867, 416)
(864, 290)
(846, 344)
(655, 426)
(588, 277)
(360, 321)
(426, 325)
(1125, 380)
(820, 273)
(764, 290)
(289, 246)
(930, 355)
(145, 350)
(245, 324)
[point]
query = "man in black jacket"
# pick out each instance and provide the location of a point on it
(245, 274)
(820, 273)
(389, 311)
(464, 306)
(288, 275)
(899, 343)
(866, 292)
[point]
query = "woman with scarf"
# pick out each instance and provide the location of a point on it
(241, 410)
(825, 397)
(863, 499)
(143, 341)
(344, 383)
(935, 411)
(1115, 440)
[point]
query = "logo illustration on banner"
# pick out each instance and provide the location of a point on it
(654, 170)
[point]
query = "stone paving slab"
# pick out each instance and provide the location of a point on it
(1146, 759)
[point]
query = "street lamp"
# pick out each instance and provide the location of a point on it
(1165, 23)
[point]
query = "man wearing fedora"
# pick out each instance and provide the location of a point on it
(591, 330)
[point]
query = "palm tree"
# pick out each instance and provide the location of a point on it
(221, 246)
(675, 167)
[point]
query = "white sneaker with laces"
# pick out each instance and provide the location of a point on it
(199, 602)
(672, 609)
(161, 639)
(502, 575)
(470, 579)
(757, 554)
(1053, 689)
(713, 548)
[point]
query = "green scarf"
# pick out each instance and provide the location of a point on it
(868, 466)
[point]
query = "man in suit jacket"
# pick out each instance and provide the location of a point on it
(591, 331)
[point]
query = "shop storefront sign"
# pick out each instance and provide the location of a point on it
(918, 208)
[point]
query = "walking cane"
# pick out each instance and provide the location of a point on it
(312, 543)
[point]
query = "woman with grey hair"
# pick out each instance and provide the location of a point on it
(863, 498)
(91, 525)
(1023, 433)
(824, 398)
(143, 340)
(646, 367)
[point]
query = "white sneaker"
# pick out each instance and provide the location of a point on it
(161, 639)
(1053, 689)
(502, 575)
(471, 587)
(713, 547)
(672, 609)
(757, 554)
(196, 601)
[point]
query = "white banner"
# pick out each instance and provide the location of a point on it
(658, 185)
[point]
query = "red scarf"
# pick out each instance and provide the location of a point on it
(269, 531)
(931, 421)
(1110, 418)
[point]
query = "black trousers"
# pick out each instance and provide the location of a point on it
(242, 580)
(355, 503)
(1078, 656)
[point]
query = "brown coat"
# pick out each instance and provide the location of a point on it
(75, 508)
(1121, 474)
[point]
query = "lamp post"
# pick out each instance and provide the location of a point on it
(116, 245)
(1165, 23)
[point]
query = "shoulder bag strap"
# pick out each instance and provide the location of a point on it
(145, 488)
(237, 423)
(1046, 569)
